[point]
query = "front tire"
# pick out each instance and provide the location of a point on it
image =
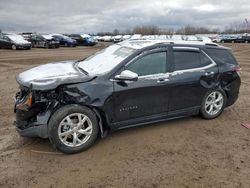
(13, 47)
(213, 104)
(73, 129)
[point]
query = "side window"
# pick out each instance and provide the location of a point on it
(190, 60)
(150, 64)
(222, 56)
(6, 38)
(205, 61)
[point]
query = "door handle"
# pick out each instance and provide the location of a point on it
(162, 80)
(209, 73)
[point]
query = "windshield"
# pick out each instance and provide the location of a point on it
(106, 59)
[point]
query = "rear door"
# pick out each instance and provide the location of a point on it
(148, 96)
(194, 73)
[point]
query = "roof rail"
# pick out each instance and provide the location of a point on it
(140, 43)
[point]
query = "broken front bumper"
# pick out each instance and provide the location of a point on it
(32, 120)
(31, 130)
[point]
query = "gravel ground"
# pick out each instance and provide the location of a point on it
(189, 152)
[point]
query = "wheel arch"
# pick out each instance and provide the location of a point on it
(101, 117)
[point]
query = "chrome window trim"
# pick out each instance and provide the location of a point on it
(167, 74)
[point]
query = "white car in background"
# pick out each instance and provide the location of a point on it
(126, 37)
(205, 39)
(107, 38)
(117, 38)
(176, 37)
(191, 38)
(217, 39)
(136, 37)
(148, 37)
(161, 37)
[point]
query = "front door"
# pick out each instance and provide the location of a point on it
(148, 96)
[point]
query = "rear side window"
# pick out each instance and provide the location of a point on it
(222, 56)
(186, 60)
(190, 60)
(154, 63)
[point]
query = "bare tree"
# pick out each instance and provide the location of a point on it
(147, 30)
(116, 32)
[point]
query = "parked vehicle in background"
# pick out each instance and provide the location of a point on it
(242, 39)
(130, 83)
(27, 36)
(96, 38)
(44, 41)
(126, 37)
(136, 37)
(100, 38)
(83, 39)
(148, 37)
(161, 37)
(176, 37)
(190, 38)
(204, 39)
(228, 39)
(14, 42)
(107, 38)
(65, 40)
(117, 38)
(216, 39)
(246, 39)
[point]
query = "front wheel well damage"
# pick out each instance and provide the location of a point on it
(100, 115)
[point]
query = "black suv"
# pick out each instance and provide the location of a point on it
(127, 84)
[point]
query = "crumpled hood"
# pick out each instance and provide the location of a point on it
(51, 75)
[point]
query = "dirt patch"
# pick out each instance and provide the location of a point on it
(189, 152)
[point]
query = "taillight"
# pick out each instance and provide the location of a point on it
(237, 69)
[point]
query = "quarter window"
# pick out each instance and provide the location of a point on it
(205, 61)
(154, 63)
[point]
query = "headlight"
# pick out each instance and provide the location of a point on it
(25, 103)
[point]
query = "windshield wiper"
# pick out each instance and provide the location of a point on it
(84, 71)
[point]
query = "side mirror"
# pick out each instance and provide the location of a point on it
(127, 75)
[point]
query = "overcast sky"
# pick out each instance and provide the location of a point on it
(74, 16)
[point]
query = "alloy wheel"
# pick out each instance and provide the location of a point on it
(75, 130)
(214, 103)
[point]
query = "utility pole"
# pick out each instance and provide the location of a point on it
(247, 25)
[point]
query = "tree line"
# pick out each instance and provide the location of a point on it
(232, 28)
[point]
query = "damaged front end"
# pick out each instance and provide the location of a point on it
(39, 97)
(33, 110)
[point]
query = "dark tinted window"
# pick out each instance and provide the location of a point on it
(150, 64)
(205, 61)
(186, 60)
(221, 56)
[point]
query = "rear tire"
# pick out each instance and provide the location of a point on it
(73, 129)
(213, 104)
